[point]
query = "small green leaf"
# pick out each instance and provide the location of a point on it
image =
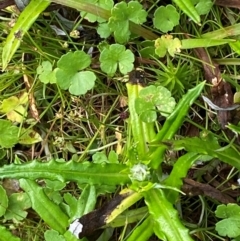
(3, 201)
(84, 204)
(74, 61)
(113, 157)
(9, 134)
(230, 226)
(209, 146)
(203, 6)
(167, 43)
(45, 72)
(152, 96)
(100, 157)
(67, 74)
(55, 185)
(7, 235)
(163, 100)
(13, 107)
(18, 203)
(145, 110)
(165, 18)
(53, 235)
(82, 82)
(116, 56)
(122, 13)
(103, 30)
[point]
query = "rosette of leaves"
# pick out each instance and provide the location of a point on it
(70, 74)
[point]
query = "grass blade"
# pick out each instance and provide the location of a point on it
(24, 22)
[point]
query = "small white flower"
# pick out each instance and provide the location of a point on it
(139, 172)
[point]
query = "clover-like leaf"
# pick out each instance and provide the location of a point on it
(116, 56)
(105, 4)
(46, 73)
(165, 18)
(9, 134)
(122, 13)
(68, 75)
(14, 107)
(229, 226)
(167, 44)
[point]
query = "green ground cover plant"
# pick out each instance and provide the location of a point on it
(105, 134)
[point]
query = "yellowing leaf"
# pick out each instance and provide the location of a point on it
(13, 108)
(29, 137)
(167, 44)
(17, 115)
(23, 99)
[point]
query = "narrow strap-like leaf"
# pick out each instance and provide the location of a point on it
(167, 223)
(24, 22)
(89, 173)
(188, 8)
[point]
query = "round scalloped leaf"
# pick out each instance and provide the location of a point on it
(74, 61)
(121, 14)
(145, 109)
(82, 82)
(114, 56)
(165, 18)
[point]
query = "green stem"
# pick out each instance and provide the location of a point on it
(134, 120)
